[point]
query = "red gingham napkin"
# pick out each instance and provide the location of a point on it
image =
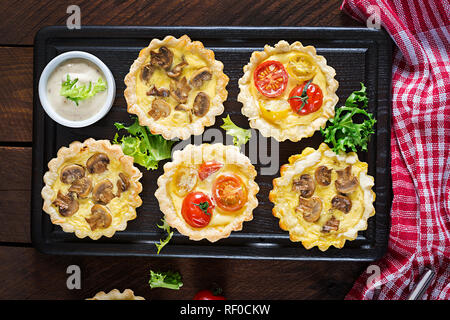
(420, 147)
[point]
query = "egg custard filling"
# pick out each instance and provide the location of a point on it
(92, 189)
(207, 191)
(322, 198)
(176, 87)
(288, 91)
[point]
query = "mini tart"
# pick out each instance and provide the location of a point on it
(273, 117)
(182, 104)
(115, 294)
(105, 203)
(190, 159)
(309, 204)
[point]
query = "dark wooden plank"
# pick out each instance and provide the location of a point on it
(16, 94)
(15, 185)
(20, 26)
(240, 279)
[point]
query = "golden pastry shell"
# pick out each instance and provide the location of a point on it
(206, 152)
(287, 220)
(198, 126)
(113, 151)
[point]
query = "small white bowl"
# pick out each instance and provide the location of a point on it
(48, 70)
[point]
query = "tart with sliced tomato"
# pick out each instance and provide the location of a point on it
(288, 91)
(322, 198)
(208, 191)
(176, 87)
(92, 189)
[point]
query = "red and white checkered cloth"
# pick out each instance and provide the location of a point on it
(420, 147)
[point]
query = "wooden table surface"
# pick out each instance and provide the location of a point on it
(28, 274)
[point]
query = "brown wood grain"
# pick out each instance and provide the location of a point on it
(16, 94)
(15, 186)
(20, 20)
(28, 274)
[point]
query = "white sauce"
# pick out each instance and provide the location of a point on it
(85, 71)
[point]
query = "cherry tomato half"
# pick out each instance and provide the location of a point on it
(306, 102)
(197, 209)
(208, 168)
(270, 78)
(208, 295)
(229, 192)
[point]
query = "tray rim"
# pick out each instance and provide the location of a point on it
(73, 248)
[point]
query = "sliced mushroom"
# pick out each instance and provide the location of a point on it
(201, 104)
(100, 217)
(163, 58)
(147, 72)
(346, 182)
(182, 107)
(160, 109)
(177, 70)
(311, 208)
(342, 203)
(66, 204)
(331, 224)
(122, 184)
(103, 192)
(201, 75)
(161, 92)
(97, 163)
(305, 185)
(82, 187)
(71, 172)
(323, 175)
(180, 90)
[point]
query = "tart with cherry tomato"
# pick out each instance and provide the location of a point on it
(288, 91)
(208, 191)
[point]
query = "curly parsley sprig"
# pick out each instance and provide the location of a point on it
(342, 132)
(165, 226)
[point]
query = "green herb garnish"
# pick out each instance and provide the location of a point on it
(203, 206)
(168, 280)
(75, 93)
(342, 132)
(166, 228)
(240, 136)
(146, 148)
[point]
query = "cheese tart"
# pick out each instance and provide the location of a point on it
(91, 189)
(115, 294)
(207, 191)
(288, 91)
(323, 198)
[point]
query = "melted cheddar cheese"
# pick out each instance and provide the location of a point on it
(286, 200)
(118, 207)
(160, 79)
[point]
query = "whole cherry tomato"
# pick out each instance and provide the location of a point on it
(306, 98)
(229, 192)
(270, 78)
(208, 168)
(197, 209)
(208, 295)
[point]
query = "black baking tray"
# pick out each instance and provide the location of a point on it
(357, 54)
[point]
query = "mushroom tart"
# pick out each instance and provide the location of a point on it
(115, 294)
(288, 91)
(91, 189)
(176, 87)
(323, 198)
(208, 191)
